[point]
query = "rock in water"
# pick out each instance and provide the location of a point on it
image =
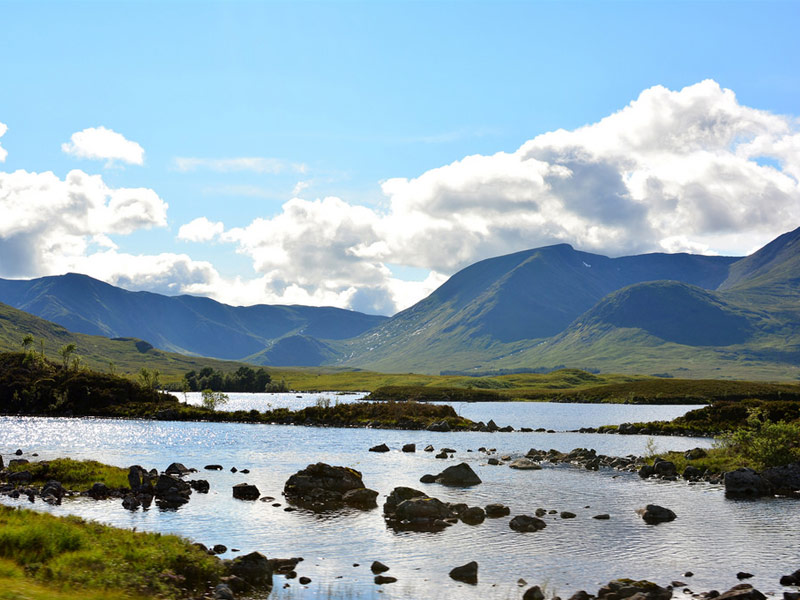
(525, 464)
(254, 568)
(653, 513)
(458, 475)
(380, 448)
(526, 523)
(743, 591)
(746, 483)
(245, 491)
(467, 573)
(324, 487)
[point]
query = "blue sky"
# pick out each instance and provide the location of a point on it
(240, 107)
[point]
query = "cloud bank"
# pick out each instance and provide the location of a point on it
(688, 170)
(104, 144)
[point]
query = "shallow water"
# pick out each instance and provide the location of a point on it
(713, 537)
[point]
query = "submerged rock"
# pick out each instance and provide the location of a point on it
(525, 464)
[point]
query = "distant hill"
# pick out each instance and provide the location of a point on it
(184, 324)
(123, 355)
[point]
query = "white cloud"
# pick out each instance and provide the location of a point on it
(3, 151)
(48, 223)
(200, 230)
(674, 170)
(104, 144)
(254, 164)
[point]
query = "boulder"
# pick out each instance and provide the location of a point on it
(409, 448)
(382, 579)
(253, 568)
(380, 448)
(439, 426)
(442, 454)
(130, 502)
(743, 591)
(139, 480)
(793, 579)
(99, 491)
(467, 573)
(664, 468)
(427, 478)
(784, 480)
(653, 514)
(223, 592)
(428, 448)
(378, 567)
(638, 590)
(492, 426)
(745, 482)
(200, 485)
(526, 523)
(495, 511)
(692, 473)
(177, 468)
(474, 515)
(458, 475)
(534, 593)
(525, 464)
(646, 471)
(219, 548)
(695, 453)
(565, 514)
(20, 477)
(412, 510)
(53, 488)
(245, 491)
(213, 467)
(361, 498)
(322, 487)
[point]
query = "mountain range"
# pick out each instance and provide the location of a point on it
(540, 309)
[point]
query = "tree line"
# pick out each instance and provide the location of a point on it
(244, 379)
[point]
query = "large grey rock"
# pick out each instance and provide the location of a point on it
(458, 475)
(526, 523)
(439, 426)
(361, 498)
(474, 515)
(745, 482)
(99, 491)
(653, 513)
(254, 568)
(664, 468)
(495, 511)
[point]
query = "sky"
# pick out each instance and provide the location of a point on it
(357, 154)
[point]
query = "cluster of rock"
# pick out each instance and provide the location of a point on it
(587, 458)
(169, 489)
(322, 487)
(775, 481)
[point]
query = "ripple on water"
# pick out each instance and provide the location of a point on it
(713, 537)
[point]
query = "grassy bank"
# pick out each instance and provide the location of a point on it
(74, 474)
(42, 556)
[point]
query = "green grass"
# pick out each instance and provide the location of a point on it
(75, 474)
(75, 556)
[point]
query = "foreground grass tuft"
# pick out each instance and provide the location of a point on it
(73, 554)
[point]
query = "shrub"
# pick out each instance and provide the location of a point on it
(765, 443)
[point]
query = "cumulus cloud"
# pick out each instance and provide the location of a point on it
(254, 164)
(3, 152)
(49, 223)
(104, 144)
(688, 170)
(200, 230)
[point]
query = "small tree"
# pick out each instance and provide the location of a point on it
(211, 400)
(66, 351)
(27, 343)
(148, 379)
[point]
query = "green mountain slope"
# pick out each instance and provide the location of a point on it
(128, 355)
(185, 324)
(501, 306)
